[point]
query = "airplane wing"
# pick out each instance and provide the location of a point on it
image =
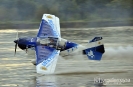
(46, 59)
(49, 26)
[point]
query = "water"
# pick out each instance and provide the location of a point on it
(116, 64)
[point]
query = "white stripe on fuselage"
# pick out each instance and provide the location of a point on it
(72, 51)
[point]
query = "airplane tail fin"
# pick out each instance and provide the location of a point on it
(96, 49)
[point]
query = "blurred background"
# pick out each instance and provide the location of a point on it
(72, 13)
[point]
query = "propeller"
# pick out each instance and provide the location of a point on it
(16, 41)
(26, 49)
(16, 47)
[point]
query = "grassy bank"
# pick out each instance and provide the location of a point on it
(67, 24)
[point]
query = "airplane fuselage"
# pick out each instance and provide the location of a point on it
(63, 44)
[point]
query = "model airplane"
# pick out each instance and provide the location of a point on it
(48, 45)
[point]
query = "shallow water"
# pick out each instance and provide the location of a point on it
(117, 62)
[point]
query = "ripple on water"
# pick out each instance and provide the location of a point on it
(17, 71)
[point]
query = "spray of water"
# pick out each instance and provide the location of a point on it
(119, 53)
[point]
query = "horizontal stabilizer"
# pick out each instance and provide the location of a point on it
(94, 53)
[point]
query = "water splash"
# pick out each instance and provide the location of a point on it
(119, 52)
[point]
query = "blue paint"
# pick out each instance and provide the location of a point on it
(47, 29)
(55, 33)
(27, 41)
(70, 45)
(95, 53)
(50, 58)
(43, 53)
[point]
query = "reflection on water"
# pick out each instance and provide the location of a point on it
(117, 63)
(60, 81)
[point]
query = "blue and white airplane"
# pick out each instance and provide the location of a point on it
(48, 45)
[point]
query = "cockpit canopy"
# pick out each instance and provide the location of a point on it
(47, 41)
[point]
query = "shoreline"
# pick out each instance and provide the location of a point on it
(68, 24)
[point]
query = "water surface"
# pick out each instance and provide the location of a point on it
(117, 62)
